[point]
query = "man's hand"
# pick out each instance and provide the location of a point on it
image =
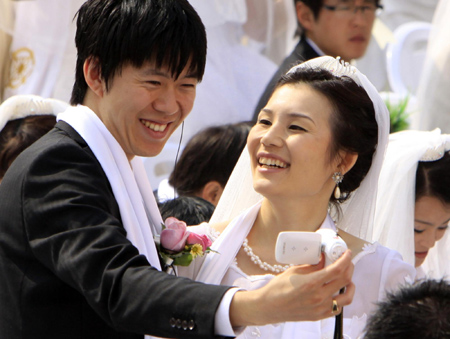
(301, 293)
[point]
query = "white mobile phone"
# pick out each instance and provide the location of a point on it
(298, 248)
(332, 245)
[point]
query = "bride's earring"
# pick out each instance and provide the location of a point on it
(337, 177)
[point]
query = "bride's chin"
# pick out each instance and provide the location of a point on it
(263, 187)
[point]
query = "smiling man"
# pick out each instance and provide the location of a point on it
(327, 27)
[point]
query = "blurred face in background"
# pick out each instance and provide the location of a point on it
(431, 220)
(343, 28)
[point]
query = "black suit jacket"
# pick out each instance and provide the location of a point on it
(67, 269)
(302, 52)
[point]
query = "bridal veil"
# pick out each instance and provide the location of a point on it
(396, 199)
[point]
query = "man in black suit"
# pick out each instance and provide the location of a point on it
(73, 261)
(327, 27)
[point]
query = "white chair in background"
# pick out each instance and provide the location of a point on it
(405, 57)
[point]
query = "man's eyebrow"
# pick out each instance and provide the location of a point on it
(192, 75)
(154, 71)
(166, 74)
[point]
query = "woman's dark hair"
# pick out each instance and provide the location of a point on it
(19, 134)
(121, 32)
(433, 179)
(210, 155)
(353, 125)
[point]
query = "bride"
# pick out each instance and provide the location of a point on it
(414, 179)
(314, 154)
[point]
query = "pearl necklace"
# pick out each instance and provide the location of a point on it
(262, 264)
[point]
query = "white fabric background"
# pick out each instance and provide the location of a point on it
(434, 88)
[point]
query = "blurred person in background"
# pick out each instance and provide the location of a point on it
(413, 203)
(327, 27)
(206, 163)
(23, 120)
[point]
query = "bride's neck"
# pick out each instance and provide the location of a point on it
(275, 217)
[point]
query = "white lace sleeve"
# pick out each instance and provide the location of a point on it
(395, 273)
(387, 272)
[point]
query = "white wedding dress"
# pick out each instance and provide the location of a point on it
(377, 270)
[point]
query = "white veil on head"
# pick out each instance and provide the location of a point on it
(24, 105)
(359, 209)
(394, 218)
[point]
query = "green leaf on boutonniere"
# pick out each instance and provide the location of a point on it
(182, 259)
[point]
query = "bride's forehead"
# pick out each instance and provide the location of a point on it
(297, 100)
(300, 90)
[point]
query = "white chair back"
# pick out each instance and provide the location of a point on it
(405, 56)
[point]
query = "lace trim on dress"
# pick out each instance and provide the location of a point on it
(205, 229)
(366, 249)
(212, 233)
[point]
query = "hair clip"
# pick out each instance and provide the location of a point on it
(340, 68)
(23, 105)
(31, 107)
(336, 66)
(435, 153)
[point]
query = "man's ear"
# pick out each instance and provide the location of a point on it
(304, 15)
(92, 75)
(212, 192)
(348, 160)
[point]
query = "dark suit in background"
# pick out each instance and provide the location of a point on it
(72, 273)
(302, 52)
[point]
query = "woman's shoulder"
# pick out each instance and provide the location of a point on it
(355, 244)
(388, 262)
(373, 251)
(386, 253)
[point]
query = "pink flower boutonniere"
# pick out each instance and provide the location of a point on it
(178, 246)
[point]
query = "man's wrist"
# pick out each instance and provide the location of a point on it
(223, 325)
(244, 310)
